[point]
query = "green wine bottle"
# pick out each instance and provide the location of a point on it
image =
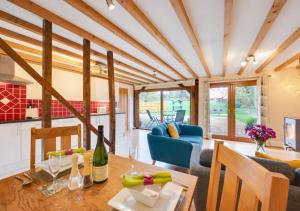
(100, 158)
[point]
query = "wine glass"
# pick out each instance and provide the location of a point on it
(133, 156)
(54, 163)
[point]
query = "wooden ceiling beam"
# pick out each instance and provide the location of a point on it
(228, 5)
(32, 41)
(31, 50)
(287, 62)
(182, 15)
(130, 78)
(140, 17)
(264, 29)
(290, 40)
(134, 75)
(36, 29)
(20, 47)
(29, 40)
(65, 67)
(46, 14)
(99, 18)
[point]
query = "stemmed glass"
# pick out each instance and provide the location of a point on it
(54, 163)
(133, 155)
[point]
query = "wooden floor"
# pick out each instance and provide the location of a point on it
(139, 137)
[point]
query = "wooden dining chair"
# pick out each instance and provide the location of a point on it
(48, 136)
(246, 184)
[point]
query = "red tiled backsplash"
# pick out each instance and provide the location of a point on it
(13, 104)
(59, 110)
(12, 101)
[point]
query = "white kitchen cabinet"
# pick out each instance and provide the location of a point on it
(10, 142)
(104, 120)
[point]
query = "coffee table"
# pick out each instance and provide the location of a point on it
(15, 197)
(250, 148)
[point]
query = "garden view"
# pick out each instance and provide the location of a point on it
(245, 109)
(172, 102)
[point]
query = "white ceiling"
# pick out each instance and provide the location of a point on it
(207, 18)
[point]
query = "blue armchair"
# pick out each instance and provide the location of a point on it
(174, 151)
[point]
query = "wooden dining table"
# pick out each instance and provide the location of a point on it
(14, 197)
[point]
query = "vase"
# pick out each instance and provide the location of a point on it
(260, 146)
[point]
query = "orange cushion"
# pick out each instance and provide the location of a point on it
(293, 163)
(173, 130)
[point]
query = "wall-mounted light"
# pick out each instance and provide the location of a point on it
(110, 4)
(250, 58)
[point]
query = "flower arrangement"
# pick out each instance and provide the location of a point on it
(260, 134)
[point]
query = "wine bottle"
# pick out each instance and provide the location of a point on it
(100, 158)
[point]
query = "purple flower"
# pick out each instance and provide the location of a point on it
(260, 132)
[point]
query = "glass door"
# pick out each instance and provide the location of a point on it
(176, 106)
(219, 121)
(149, 109)
(233, 107)
(246, 108)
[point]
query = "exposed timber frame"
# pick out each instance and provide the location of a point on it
(182, 15)
(270, 19)
(44, 13)
(111, 90)
(86, 93)
(44, 83)
(37, 30)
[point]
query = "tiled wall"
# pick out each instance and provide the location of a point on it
(12, 102)
(58, 110)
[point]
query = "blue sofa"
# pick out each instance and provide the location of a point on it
(174, 151)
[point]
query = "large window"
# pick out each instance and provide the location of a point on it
(233, 107)
(150, 109)
(164, 106)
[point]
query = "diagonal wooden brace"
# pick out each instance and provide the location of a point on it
(44, 83)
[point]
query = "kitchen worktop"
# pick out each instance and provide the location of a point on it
(68, 117)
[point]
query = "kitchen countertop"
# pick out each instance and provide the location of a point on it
(54, 118)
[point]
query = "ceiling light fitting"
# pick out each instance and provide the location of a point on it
(110, 4)
(154, 74)
(249, 59)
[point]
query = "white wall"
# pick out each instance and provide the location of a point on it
(283, 99)
(69, 85)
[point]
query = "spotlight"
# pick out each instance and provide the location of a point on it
(250, 58)
(110, 4)
(243, 63)
(154, 74)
